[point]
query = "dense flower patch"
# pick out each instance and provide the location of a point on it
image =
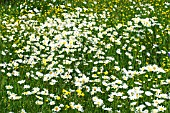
(70, 58)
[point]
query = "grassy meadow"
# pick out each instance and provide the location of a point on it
(91, 56)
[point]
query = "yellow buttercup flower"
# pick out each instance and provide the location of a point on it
(44, 61)
(66, 92)
(106, 72)
(67, 107)
(146, 76)
(58, 97)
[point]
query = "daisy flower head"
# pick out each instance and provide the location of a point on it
(94, 69)
(98, 102)
(79, 107)
(8, 87)
(21, 82)
(52, 103)
(23, 111)
(56, 109)
(161, 108)
(39, 102)
(154, 111)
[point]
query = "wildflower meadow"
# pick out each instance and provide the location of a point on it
(90, 56)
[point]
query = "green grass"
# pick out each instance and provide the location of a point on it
(104, 56)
